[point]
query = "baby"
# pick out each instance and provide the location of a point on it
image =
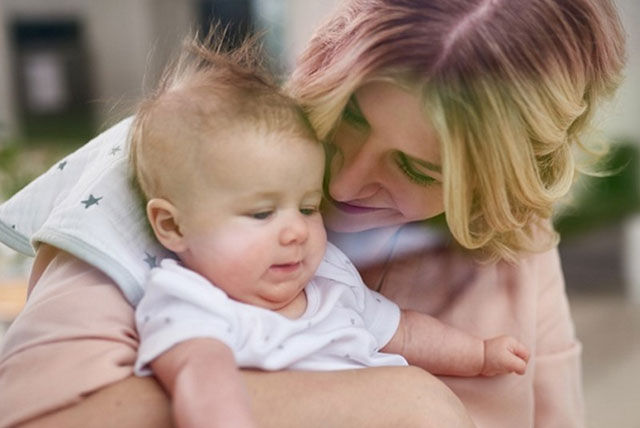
(232, 176)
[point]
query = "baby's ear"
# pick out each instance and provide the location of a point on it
(163, 216)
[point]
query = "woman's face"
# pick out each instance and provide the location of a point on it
(385, 162)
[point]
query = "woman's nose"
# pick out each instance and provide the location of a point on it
(295, 230)
(353, 175)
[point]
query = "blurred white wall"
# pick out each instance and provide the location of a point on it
(621, 118)
(131, 40)
(289, 24)
(302, 18)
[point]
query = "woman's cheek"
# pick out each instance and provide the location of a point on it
(423, 205)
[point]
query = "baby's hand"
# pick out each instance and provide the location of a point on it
(504, 354)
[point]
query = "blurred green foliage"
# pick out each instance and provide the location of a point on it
(23, 160)
(44, 139)
(61, 129)
(605, 200)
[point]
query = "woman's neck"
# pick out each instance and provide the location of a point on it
(372, 251)
(366, 247)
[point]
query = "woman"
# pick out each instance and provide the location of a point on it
(470, 108)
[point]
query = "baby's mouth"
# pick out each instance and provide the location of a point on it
(286, 267)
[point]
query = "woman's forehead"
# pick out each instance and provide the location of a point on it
(398, 115)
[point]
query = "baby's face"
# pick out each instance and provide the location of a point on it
(253, 225)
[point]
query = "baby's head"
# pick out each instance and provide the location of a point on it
(232, 176)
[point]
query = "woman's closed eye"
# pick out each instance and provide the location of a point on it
(411, 170)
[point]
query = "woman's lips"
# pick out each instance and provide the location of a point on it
(353, 209)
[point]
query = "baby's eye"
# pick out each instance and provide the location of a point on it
(309, 211)
(262, 215)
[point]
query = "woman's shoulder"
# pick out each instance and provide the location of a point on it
(434, 247)
(441, 268)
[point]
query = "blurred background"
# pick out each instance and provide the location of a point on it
(71, 68)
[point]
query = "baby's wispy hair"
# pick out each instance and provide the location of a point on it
(208, 91)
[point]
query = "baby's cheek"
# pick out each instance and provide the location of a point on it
(232, 241)
(231, 273)
(244, 251)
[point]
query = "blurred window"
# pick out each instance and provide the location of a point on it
(52, 75)
(235, 15)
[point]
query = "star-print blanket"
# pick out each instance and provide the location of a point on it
(84, 204)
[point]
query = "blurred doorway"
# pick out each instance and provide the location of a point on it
(52, 75)
(234, 15)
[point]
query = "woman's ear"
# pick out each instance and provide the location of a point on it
(163, 216)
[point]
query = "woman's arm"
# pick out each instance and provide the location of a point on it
(134, 402)
(377, 397)
(557, 384)
(74, 336)
(67, 361)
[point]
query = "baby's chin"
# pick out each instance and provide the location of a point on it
(278, 301)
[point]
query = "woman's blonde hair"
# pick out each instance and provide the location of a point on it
(509, 86)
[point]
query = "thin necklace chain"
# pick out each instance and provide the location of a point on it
(387, 261)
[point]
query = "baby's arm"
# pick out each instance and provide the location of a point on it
(205, 384)
(441, 349)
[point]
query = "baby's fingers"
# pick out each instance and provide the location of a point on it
(520, 356)
(504, 354)
(516, 364)
(519, 350)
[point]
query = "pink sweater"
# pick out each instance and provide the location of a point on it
(527, 301)
(77, 333)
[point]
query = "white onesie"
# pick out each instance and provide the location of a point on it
(343, 327)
